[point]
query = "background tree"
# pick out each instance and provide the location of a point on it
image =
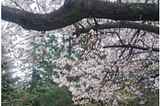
(44, 91)
(10, 84)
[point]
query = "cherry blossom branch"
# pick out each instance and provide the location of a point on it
(121, 24)
(130, 46)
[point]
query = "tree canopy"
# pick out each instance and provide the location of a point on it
(97, 52)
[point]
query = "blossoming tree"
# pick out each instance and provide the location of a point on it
(112, 52)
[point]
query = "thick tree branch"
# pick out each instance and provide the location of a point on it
(130, 46)
(75, 10)
(121, 24)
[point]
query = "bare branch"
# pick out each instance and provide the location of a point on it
(130, 46)
(121, 24)
(17, 5)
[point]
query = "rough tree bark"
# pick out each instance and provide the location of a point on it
(75, 10)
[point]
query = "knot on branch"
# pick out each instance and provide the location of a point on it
(84, 3)
(68, 3)
(89, 3)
